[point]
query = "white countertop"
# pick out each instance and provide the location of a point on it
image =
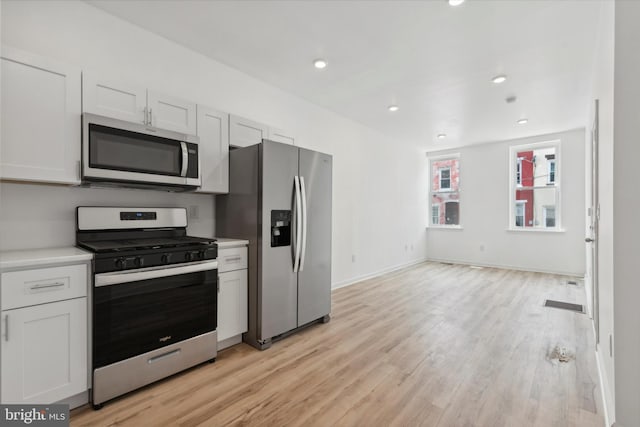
(38, 257)
(225, 242)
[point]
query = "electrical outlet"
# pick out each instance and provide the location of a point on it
(481, 248)
(353, 258)
(193, 212)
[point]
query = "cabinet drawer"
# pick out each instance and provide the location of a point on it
(43, 285)
(232, 259)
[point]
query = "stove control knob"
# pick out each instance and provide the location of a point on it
(188, 256)
(165, 258)
(121, 263)
(201, 254)
(138, 261)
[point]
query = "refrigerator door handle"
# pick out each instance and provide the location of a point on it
(304, 222)
(297, 208)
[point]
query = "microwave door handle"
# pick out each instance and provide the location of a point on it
(185, 159)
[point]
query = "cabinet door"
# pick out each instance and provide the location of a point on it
(279, 135)
(44, 352)
(114, 99)
(232, 304)
(244, 132)
(213, 130)
(40, 119)
(168, 112)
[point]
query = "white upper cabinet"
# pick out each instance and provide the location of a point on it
(244, 132)
(282, 136)
(168, 112)
(213, 130)
(40, 119)
(137, 104)
(114, 99)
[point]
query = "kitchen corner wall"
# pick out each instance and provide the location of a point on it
(379, 184)
(484, 212)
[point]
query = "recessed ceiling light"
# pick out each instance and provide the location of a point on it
(523, 121)
(499, 79)
(320, 63)
(455, 2)
(442, 135)
(393, 108)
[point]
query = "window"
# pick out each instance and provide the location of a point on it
(435, 214)
(445, 178)
(445, 190)
(519, 213)
(549, 216)
(535, 186)
(551, 168)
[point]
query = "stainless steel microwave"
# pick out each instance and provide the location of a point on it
(130, 154)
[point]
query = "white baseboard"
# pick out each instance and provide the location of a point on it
(357, 279)
(507, 267)
(607, 402)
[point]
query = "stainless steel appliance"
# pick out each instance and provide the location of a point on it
(116, 151)
(280, 200)
(154, 296)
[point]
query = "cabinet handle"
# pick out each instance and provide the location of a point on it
(6, 327)
(231, 259)
(150, 117)
(45, 286)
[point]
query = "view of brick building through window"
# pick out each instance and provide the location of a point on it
(445, 195)
(536, 192)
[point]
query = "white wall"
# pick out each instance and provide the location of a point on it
(484, 212)
(379, 193)
(602, 89)
(626, 205)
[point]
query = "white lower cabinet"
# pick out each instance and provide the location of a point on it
(233, 292)
(232, 304)
(44, 327)
(44, 352)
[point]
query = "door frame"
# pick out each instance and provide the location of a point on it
(594, 219)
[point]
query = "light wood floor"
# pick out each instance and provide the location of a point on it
(432, 345)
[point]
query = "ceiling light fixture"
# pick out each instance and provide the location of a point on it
(442, 135)
(455, 2)
(523, 121)
(320, 63)
(393, 108)
(499, 79)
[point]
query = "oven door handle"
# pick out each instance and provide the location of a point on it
(116, 278)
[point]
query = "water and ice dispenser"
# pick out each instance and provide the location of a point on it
(280, 228)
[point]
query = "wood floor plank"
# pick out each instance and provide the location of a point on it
(432, 345)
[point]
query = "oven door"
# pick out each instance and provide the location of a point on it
(120, 151)
(137, 311)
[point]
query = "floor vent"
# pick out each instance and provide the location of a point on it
(564, 305)
(572, 282)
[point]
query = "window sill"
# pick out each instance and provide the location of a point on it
(537, 230)
(444, 227)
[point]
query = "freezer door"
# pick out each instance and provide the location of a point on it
(277, 291)
(314, 278)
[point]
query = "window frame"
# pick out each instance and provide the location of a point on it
(513, 186)
(436, 158)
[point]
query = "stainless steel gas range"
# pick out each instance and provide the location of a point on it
(154, 296)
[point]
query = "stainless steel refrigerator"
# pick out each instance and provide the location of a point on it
(280, 200)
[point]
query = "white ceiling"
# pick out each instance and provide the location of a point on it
(433, 60)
